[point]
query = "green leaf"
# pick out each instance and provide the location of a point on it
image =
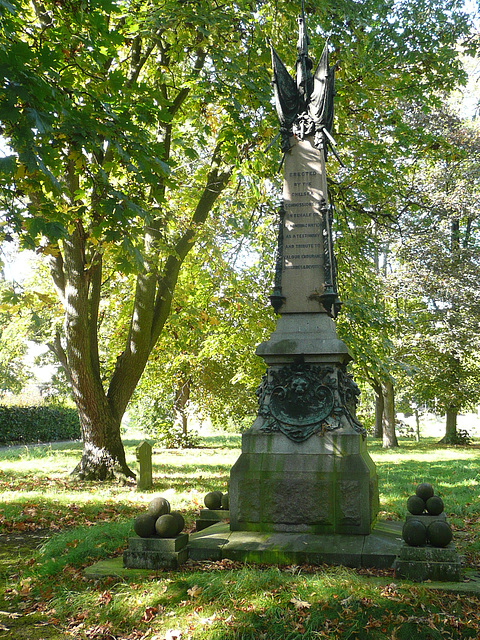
(8, 165)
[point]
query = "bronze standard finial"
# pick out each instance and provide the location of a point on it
(305, 104)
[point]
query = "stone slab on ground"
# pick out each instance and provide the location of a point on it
(113, 568)
(379, 549)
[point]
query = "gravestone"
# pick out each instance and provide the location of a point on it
(144, 458)
(304, 465)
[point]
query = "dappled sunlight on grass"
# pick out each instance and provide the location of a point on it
(225, 600)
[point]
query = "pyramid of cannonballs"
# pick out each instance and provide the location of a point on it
(216, 500)
(427, 527)
(159, 521)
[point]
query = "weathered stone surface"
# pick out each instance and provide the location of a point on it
(324, 485)
(162, 545)
(429, 553)
(154, 559)
(379, 549)
(312, 336)
(214, 515)
(144, 457)
(429, 563)
(304, 198)
(426, 518)
(209, 517)
(422, 571)
(208, 544)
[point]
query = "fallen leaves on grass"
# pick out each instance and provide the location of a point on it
(300, 604)
(151, 612)
(10, 614)
(195, 591)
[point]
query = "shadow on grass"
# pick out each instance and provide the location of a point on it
(269, 604)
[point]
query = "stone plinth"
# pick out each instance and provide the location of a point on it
(426, 518)
(324, 485)
(429, 563)
(309, 336)
(211, 516)
(378, 550)
(156, 553)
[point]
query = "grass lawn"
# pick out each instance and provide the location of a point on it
(44, 596)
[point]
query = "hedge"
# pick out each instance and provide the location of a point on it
(28, 425)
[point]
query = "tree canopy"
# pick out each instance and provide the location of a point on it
(132, 126)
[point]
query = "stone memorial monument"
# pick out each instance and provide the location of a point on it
(304, 466)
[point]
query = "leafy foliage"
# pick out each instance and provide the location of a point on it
(439, 271)
(132, 126)
(38, 424)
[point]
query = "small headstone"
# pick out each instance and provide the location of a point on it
(156, 553)
(144, 457)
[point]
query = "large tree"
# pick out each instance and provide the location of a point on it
(440, 272)
(128, 123)
(125, 129)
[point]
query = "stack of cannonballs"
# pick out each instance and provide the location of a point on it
(216, 500)
(426, 524)
(159, 521)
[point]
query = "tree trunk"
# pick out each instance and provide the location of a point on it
(182, 396)
(103, 456)
(77, 275)
(379, 409)
(451, 436)
(417, 425)
(389, 436)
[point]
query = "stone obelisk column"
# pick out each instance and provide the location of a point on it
(304, 466)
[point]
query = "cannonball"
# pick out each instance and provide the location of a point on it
(424, 491)
(415, 505)
(439, 533)
(180, 521)
(434, 505)
(213, 500)
(225, 501)
(414, 533)
(144, 525)
(158, 507)
(166, 526)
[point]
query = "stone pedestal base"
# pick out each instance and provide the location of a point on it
(325, 485)
(428, 563)
(156, 553)
(211, 516)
